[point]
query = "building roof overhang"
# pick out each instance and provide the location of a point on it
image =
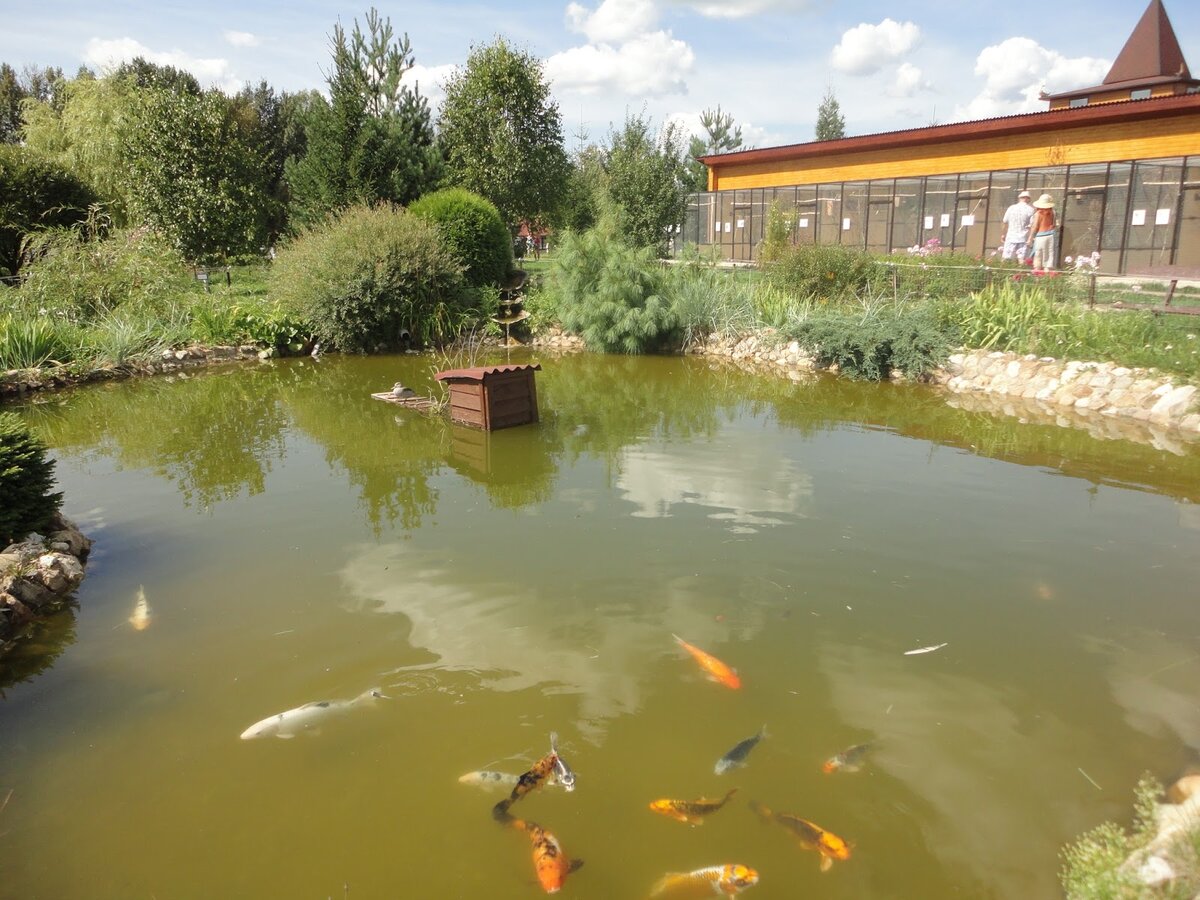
(1101, 114)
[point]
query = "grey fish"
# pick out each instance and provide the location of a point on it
(737, 756)
(563, 773)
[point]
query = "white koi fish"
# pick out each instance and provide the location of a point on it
(140, 620)
(291, 722)
(489, 778)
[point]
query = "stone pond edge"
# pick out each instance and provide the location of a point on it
(38, 574)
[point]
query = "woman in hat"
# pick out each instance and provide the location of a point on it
(1042, 231)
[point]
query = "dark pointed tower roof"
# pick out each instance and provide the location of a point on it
(1152, 51)
(1151, 57)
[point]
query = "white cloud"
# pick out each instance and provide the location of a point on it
(242, 39)
(613, 21)
(651, 64)
(867, 48)
(109, 53)
(740, 9)
(430, 82)
(908, 81)
(1018, 69)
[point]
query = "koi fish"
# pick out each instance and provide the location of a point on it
(849, 760)
(728, 880)
(810, 835)
(529, 781)
(563, 773)
(140, 620)
(690, 812)
(717, 670)
(487, 778)
(549, 861)
(291, 722)
(737, 756)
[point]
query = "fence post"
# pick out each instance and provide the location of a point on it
(1092, 290)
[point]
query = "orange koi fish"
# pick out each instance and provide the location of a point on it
(849, 760)
(529, 781)
(728, 880)
(549, 861)
(690, 812)
(717, 670)
(810, 835)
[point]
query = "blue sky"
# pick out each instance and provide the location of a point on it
(768, 62)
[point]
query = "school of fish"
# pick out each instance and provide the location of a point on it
(551, 863)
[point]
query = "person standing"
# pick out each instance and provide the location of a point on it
(1017, 218)
(1042, 231)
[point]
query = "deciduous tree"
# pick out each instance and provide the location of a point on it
(501, 133)
(644, 178)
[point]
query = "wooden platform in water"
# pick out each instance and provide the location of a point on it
(420, 404)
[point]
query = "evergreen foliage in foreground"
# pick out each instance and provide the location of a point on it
(368, 275)
(610, 293)
(473, 231)
(26, 478)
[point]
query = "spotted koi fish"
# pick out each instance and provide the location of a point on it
(528, 782)
(563, 773)
(717, 671)
(810, 835)
(549, 860)
(690, 812)
(849, 760)
(489, 778)
(728, 880)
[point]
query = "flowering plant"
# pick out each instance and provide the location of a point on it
(929, 248)
(1084, 265)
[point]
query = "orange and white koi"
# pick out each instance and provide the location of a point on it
(849, 760)
(717, 670)
(810, 835)
(728, 880)
(529, 781)
(549, 861)
(690, 812)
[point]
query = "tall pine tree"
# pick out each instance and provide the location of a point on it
(831, 125)
(373, 140)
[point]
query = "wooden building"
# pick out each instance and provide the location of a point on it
(492, 397)
(1122, 160)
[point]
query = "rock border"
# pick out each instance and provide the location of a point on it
(38, 574)
(1145, 396)
(19, 382)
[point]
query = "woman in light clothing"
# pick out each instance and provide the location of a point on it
(1042, 232)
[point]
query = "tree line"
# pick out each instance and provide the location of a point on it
(225, 176)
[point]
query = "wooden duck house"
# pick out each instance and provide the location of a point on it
(492, 397)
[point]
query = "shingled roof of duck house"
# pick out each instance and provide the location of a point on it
(1151, 64)
(492, 397)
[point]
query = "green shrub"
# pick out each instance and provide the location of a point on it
(26, 478)
(473, 231)
(36, 195)
(872, 343)
(369, 274)
(610, 294)
(27, 342)
(777, 234)
(80, 275)
(825, 271)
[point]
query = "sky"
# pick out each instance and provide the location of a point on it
(766, 62)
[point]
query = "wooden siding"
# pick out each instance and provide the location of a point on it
(1162, 90)
(1176, 136)
(500, 400)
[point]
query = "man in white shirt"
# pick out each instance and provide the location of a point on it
(1017, 217)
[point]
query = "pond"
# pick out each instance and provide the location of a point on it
(297, 541)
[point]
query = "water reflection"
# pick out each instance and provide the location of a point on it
(762, 488)
(960, 747)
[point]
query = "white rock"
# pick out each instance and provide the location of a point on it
(1155, 871)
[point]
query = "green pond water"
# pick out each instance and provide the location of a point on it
(298, 541)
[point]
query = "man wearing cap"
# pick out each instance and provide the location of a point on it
(1043, 230)
(1017, 218)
